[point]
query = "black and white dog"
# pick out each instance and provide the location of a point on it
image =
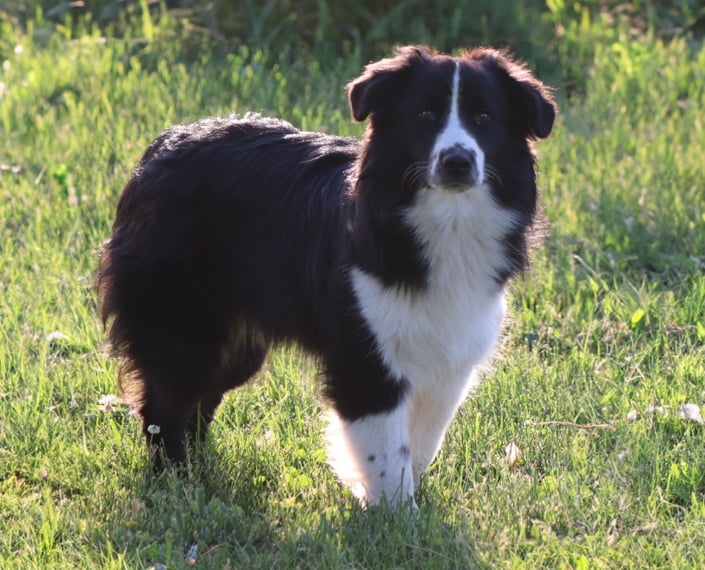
(387, 259)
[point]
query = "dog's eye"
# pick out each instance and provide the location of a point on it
(427, 115)
(482, 118)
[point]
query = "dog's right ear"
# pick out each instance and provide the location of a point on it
(375, 86)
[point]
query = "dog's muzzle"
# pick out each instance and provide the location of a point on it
(456, 168)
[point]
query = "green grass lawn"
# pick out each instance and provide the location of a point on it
(606, 344)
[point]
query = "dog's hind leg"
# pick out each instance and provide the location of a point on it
(174, 377)
(236, 368)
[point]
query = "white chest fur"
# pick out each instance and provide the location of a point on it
(433, 338)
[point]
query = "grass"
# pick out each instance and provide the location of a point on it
(608, 329)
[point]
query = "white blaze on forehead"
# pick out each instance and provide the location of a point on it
(455, 133)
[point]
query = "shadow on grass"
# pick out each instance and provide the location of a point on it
(235, 515)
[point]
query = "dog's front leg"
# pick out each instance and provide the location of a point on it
(372, 456)
(432, 409)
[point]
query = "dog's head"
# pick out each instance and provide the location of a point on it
(451, 123)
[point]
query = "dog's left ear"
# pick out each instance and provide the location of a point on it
(376, 89)
(532, 99)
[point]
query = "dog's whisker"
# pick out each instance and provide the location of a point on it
(492, 175)
(415, 173)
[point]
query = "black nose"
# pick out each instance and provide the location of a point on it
(457, 162)
(457, 168)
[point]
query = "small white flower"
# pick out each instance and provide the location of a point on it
(690, 412)
(154, 430)
(108, 402)
(56, 335)
(18, 49)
